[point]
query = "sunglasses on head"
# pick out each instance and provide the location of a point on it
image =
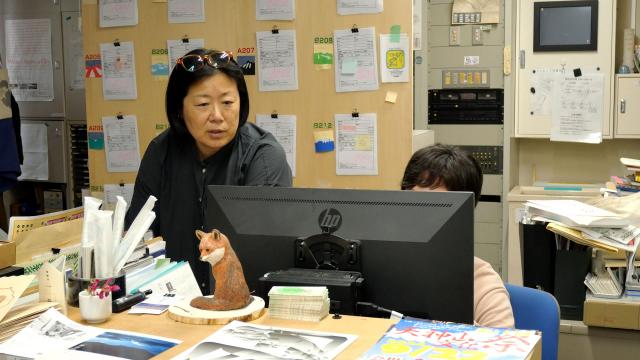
(195, 62)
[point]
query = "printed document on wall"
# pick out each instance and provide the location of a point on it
(118, 13)
(118, 71)
(576, 114)
(111, 191)
(541, 92)
(355, 59)
(178, 48)
(185, 11)
(277, 61)
(283, 127)
(394, 58)
(35, 148)
(356, 144)
(121, 143)
(28, 61)
(275, 10)
(351, 7)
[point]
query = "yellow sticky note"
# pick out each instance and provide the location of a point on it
(323, 135)
(391, 97)
(363, 142)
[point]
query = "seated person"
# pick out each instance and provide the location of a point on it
(448, 168)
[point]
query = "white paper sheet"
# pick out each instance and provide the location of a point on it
(121, 144)
(394, 58)
(177, 48)
(111, 191)
(185, 11)
(356, 144)
(76, 60)
(417, 24)
(275, 9)
(28, 59)
(355, 58)
(541, 96)
(277, 60)
(119, 71)
(284, 129)
(243, 340)
(576, 114)
(35, 148)
(118, 13)
(350, 7)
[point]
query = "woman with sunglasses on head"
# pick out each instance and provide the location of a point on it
(209, 142)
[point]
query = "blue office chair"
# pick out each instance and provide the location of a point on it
(537, 310)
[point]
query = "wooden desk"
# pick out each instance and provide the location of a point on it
(369, 330)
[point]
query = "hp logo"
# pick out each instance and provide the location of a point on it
(330, 220)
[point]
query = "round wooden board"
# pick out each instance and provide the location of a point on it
(185, 313)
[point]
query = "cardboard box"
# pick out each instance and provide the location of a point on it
(612, 313)
(7, 254)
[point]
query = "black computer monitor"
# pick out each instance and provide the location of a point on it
(416, 248)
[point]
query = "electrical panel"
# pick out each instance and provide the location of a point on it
(489, 158)
(473, 106)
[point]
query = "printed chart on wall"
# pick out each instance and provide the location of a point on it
(29, 62)
(356, 144)
(275, 10)
(576, 113)
(283, 127)
(118, 13)
(178, 48)
(352, 7)
(185, 11)
(119, 71)
(277, 60)
(355, 57)
(121, 145)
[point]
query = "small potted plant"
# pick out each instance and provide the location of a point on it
(95, 301)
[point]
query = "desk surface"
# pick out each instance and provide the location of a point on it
(369, 330)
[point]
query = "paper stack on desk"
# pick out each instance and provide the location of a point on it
(15, 313)
(307, 303)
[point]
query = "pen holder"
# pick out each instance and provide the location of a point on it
(75, 285)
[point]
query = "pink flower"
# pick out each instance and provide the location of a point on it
(102, 291)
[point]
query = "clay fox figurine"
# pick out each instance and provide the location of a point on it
(231, 290)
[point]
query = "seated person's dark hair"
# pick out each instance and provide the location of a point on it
(443, 165)
(181, 80)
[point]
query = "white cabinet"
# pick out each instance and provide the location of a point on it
(627, 102)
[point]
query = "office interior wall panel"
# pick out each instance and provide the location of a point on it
(492, 185)
(454, 57)
(488, 212)
(230, 25)
(468, 134)
(73, 94)
(489, 253)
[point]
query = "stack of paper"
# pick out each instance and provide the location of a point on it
(574, 213)
(15, 313)
(307, 303)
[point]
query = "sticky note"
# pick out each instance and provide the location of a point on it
(363, 142)
(394, 33)
(391, 97)
(349, 66)
(323, 140)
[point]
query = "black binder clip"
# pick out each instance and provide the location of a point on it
(121, 183)
(119, 116)
(354, 28)
(274, 114)
(116, 42)
(185, 39)
(274, 29)
(355, 113)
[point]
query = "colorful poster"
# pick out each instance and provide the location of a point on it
(426, 339)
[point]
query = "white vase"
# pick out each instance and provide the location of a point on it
(93, 309)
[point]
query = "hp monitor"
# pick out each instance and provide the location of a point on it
(414, 249)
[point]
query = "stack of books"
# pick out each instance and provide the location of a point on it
(307, 303)
(630, 183)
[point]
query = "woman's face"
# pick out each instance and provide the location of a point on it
(211, 112)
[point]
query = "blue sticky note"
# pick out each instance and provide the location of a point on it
(96, 140)
(349, 66)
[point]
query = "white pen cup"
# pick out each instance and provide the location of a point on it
(76, 284)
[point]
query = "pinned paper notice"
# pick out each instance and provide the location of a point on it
(363, 142)
(324, 140)
(391, 97)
